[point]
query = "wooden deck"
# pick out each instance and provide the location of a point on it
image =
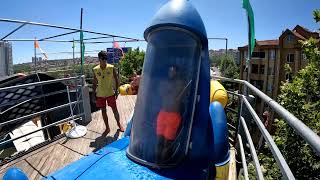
(58, 154)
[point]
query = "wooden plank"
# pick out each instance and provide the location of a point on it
(232, 164)
(60, 153)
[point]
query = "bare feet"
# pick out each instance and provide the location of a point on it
(121, 128)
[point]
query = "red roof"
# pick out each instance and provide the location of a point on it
(298, 35)
(272, 42)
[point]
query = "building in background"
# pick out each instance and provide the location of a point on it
(6, 62)
(269, 58)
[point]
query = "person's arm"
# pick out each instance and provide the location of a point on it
(94, 85)
(116, 79)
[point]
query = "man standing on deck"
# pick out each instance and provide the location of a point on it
(104, 76)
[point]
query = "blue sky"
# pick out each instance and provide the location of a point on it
(222, 18)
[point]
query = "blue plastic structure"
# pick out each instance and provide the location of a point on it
(14, 174)
(176, 56)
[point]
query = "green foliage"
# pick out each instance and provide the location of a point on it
(21, 68)
(302, 98)
(215, 60)
(287, 68)
(131, 64)
(228, 67)
(316, 15)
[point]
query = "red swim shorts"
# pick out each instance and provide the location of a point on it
(168, 124)
(101, 102)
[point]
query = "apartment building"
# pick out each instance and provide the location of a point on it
(269, 58)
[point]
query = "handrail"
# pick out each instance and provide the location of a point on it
(38, 113)
(44, 127)
(70, 104)
(22, 100)
(304, 131)
(285, 170)
(243, 158)
(39, 83)
(252, 149)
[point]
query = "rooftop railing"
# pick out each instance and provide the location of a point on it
(300, 128)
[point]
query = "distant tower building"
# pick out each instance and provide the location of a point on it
(6, 63)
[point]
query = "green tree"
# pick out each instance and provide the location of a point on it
(215, 60)
(228, 67)
(21, 68)
(131, 64)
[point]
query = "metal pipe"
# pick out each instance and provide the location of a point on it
(243, 159)
(38, 83)
(212, 38)
(101, 42)
(45, 40)
(70, 41)
(38, 113)
(102, 37)
(14, 106)
(304, 131)
(35, 54)
(59, 35)
(252, 149)
(231, 110)
(16, 29)
(285, 170)
(226, 47)
(59, 27)
(81, 42)
(232, 127)
(28, 98)
(69, 100)
(228, 79)
(40, 129)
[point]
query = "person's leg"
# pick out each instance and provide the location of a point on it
(117, 117)
(105, 119)
(101, 103)
(112, 103)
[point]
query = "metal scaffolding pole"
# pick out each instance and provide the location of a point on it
(61, 27)
(59, 35)
(35, 55)
(13, 31)
(81, 42)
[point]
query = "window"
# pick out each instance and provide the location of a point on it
(261, 54)
(270, 71)
(272, 54)
(254, 68)
(290, 58)
(288, 77)
(289, 39)
(269, 89)
(261, 69)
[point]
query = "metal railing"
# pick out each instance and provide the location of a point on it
(305, 132)
(78, 103)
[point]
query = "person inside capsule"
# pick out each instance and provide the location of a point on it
(169, 118)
